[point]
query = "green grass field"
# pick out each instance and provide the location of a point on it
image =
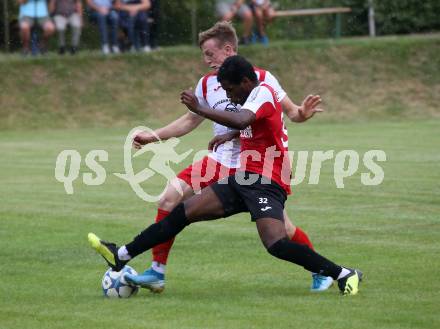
(380, 93)
(219, 275)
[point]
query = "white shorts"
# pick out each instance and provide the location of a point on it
(73, 20)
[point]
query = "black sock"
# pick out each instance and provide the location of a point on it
(159, 232)
(304, 256)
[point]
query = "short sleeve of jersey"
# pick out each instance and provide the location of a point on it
(273, 82)
(257, 98)
(199, 94)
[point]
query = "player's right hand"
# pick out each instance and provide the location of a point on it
(141, 138)
(188, 98)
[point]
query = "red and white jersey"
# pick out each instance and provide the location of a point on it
(264, 143)
(210, 93)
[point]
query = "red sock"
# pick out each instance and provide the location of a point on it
(301, 237)
(161, 251)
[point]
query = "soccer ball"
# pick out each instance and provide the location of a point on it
(115, 286)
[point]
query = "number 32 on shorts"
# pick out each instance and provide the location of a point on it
(262, 200)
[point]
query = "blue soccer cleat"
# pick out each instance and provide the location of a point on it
(150, 279)
(320, 282)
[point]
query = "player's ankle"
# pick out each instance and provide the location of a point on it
(123, 254)
(158, 267)
(344, 272)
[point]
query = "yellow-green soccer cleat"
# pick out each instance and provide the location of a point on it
(349, 284)
(108, 250)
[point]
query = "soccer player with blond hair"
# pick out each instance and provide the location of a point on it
(217, 44)
(253, 188)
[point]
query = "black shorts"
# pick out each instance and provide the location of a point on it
(260, 200)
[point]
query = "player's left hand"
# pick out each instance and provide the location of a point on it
(221, 139)
(188, 98)
(309, 107)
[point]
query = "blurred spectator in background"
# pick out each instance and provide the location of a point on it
(133, 17)
(103, 13)
(67, 12)
(228, 9)
(153, 23)
(264, 14)
(31, 14)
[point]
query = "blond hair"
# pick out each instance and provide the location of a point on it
(224, 32)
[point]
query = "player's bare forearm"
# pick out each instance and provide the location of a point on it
(236, 120)
(291, 110)
(180, 127)
(304, 112)
(294, 115)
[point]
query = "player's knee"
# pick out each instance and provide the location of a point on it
(290, 228)
(177, 191)
(278, 249)
(175, 221)
(166, 203)
(169, 201)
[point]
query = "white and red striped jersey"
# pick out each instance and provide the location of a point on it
(264, 143)
(210, 93)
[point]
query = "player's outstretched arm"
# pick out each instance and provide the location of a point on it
(179, 127)
(236, 120)
(304, 112)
